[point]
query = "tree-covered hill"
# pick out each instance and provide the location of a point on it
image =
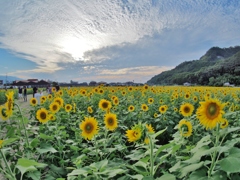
(217, 66)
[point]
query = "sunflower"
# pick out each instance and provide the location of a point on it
(42, 115)
(54, 107)
(68, 107)
(150, 128)
(224, 123)
(155, 115)
(150, 100)
(1, 142)
(33, 101)
(131, 108)
(185, 128)
(116, 101)
(186, 109)
(163, 109)
(54, 89)
(10, 101)
(144, 107)
(59, 101)
(146, 140)
(210, 113)
(134, 135)
(195, 99)
(124, 93)
(4, 114)
(130, 88)
(43, 99)
(105, 104)
(90, 110)
(74, 107)
(110, 121)
(89, 127)
(52, 117)
(49, 96)
(145, 87)
(60, 93)
(101, 91)
(187, 95)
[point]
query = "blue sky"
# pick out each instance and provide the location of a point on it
(110, 40)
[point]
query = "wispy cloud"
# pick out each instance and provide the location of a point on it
(115, 34)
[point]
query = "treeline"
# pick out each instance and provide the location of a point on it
(216, 67)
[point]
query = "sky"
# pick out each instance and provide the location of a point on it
(110, 40)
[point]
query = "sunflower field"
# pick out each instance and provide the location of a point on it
(123, 133)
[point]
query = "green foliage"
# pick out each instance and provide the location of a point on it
(217, 66)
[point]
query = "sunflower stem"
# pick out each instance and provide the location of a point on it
(214, 160)
(6, 163)
(151, 156)
(24, 127)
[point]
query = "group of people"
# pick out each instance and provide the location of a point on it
(22, 93)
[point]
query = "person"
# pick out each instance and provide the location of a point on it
(20, 92)
(50, 90)
(34, 90)
(25, 93)
(37, 95)
(57, 88)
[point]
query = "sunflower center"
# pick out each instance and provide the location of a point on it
(186, 109)
(43, 115)
(54, 107)
(212, 110)
(105, 105)
(88, 128)
(110, 121)
(34, 101)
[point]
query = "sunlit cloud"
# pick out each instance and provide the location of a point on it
(117, 35)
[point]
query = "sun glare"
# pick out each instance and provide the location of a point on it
(77, 46)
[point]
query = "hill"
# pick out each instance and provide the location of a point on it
(217, 66)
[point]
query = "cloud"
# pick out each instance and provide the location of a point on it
(115, 35)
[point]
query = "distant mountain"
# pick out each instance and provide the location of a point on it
(217, 66)
(10, 79)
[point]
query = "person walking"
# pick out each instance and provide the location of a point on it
(25, 94)
(34, 90)
(20, 96)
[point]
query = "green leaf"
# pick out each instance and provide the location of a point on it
(201, 152)
(167, 177)
(190, 168)
(76, 172)
(199, 175)
(166, 146)
(138, 176)
(234, 152)
(100, 165)
(8, 141)
(10, 133)
(36, 175)
(114, 172)
(34, 143)
(46, 137)
(158, 133)
(25, 165)
(203, 142)
(46, 148)
(58, 170)
(230, 164)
